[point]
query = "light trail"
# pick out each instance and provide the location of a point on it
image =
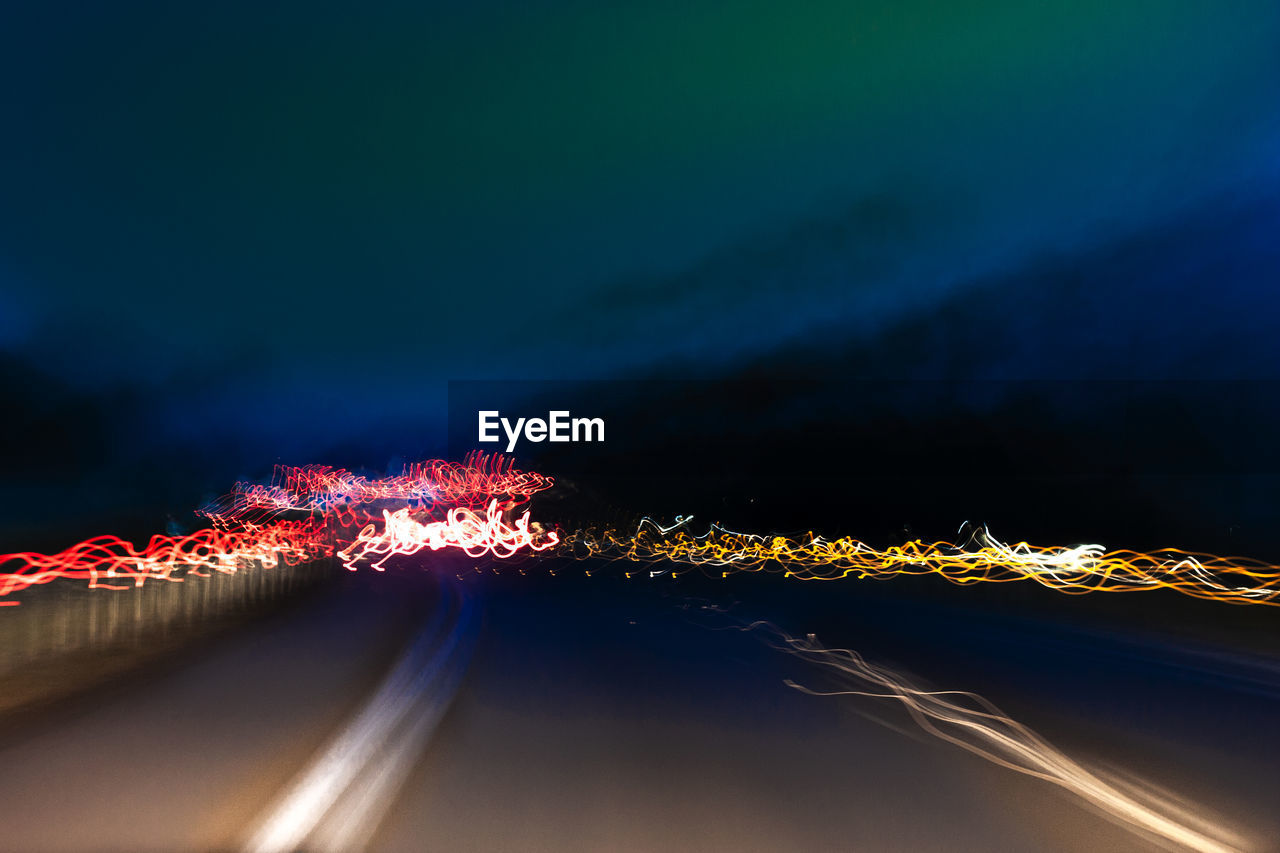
(474, 534)
(972, 723)
(982, 559)
(338, 492)
(435, 504)
(105, 561)
(337, 801)
(250, 529)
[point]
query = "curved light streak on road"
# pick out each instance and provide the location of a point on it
(972, 723)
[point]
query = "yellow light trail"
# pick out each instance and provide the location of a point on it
(982, 559)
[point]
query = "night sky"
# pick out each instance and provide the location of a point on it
(233, 235)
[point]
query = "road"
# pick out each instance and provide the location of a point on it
(570, 715)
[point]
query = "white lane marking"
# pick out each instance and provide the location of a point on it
(410, 691)
(350, 825)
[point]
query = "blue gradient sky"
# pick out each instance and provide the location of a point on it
(287, 228)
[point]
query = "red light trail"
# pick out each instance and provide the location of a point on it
(249, 527)
(109, 562)
(322, 489)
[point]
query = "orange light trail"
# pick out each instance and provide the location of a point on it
(982, 559)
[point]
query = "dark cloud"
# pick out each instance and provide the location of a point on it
(1189, 298)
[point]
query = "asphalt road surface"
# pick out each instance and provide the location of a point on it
(413, 711)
